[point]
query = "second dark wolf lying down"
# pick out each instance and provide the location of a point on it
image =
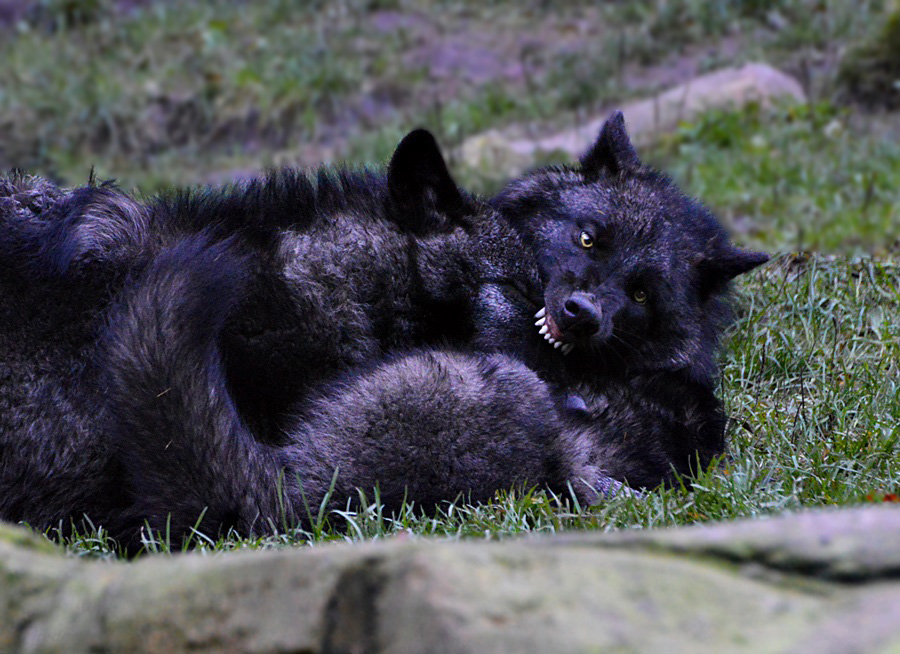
(634, 278)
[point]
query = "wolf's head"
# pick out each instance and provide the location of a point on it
(465, 249)
(634, 272)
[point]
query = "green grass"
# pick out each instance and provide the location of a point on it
(795, 178)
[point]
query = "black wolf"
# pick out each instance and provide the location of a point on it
(635, 279)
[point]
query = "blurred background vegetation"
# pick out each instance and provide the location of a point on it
(156, 93)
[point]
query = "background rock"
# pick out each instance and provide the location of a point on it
(822, 581)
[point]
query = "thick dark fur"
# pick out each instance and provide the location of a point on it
(346, 264)
(54, 463)
(425, 426)
(337, 278)
(642, 303)
(340, 269)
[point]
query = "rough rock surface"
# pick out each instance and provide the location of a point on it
(499, 152)
(823, 581)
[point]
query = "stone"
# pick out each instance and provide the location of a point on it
(504, 152)
(817, 581)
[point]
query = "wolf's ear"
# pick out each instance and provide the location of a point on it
(612, 152)
(420, 184)
(716, 270)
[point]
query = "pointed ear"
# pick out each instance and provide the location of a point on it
(716, 270)
(420, 184)
(612, 153)
(737, 262)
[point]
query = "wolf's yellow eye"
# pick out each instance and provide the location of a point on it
(639, 296)
(586, 241)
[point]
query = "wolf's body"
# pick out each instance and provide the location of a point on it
(54, 462)
(200, 383)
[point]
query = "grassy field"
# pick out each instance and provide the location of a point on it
(811, 369)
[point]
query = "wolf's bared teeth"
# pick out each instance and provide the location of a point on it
(547, 337)
(540, 322)
(543, 330)
(552, 341)
(568, 347)
(541, 313)
(557, 344)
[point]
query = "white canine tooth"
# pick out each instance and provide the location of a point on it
(547, 337)
(541, 313)
(557, 344)
(540, 322)
(543, 330)
(551, 340)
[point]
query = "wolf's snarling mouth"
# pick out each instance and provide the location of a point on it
(548, 329)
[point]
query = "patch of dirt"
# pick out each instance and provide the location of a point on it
(681, 67)
(12, 11)
(15, 11)
(476, 54)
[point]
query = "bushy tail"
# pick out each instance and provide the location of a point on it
(172, 420)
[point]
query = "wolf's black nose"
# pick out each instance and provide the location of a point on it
(580, 315)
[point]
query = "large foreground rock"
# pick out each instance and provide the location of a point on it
(825, 581)
(500, 153)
